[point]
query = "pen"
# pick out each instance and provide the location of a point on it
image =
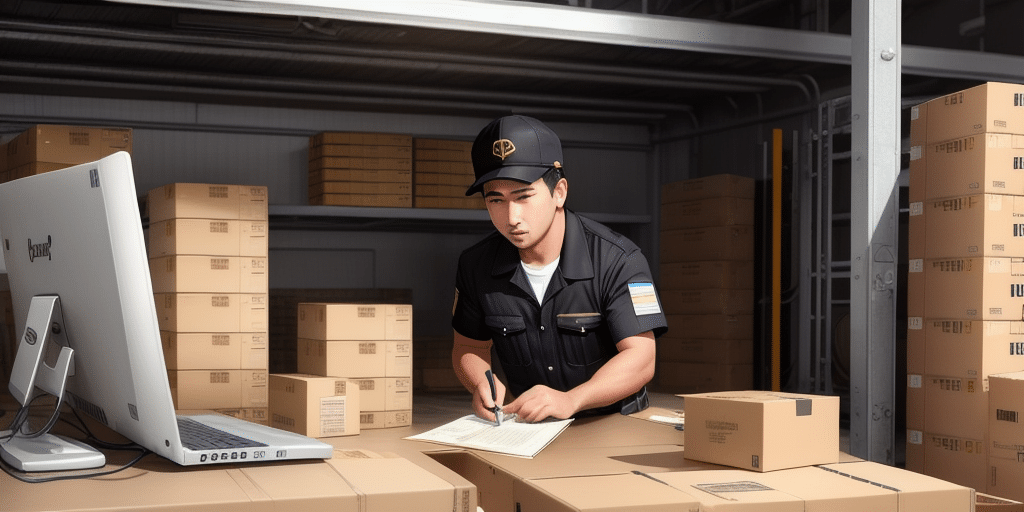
(494, 397)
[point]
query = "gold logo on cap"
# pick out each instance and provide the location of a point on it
(503, 148)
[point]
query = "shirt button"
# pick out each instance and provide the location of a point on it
(542, 327)
(551, 368)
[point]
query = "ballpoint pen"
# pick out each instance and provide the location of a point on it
(494, 397)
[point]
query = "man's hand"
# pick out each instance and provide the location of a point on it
(483, 406)
(541, 402)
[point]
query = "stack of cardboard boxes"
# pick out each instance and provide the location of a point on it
(360, 169)
(369, 345)
(707, 284)
(208, 262)
(965, 281)
(443, 170)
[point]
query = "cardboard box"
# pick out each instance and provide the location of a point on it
(975, 288)
(988, 503)
(354, 322)
(66, 145)
(1005, 477)
(986, 163)
(373, 420)
(384, 393)
(208, 201)
(915, 492)
(992, 107)
(761, 430)
(719, 185)
(375, 200)
(973, 226)
(681, 377)
(218, 389)
(955, 405)
(463, 146)
(730, 243)
(712, 211)
(690, 275)
(212, 312)
(722, 301)
(314, 406)
(957, 459)
(213, 237)
(438, 178)
(209, 274)
(1006, 416)
(359, 175)
(208, 351)
(622, 492)
(711, 327)
(973, 349)
(354, 359)
(363, 138)
(360, 150)
(730, 352)
(443, 167)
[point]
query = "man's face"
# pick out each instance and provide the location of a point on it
(523, 212)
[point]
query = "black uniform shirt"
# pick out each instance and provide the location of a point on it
(600, 294)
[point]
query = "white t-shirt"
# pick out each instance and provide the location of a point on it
(540, 276)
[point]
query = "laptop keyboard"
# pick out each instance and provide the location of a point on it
(198, 436)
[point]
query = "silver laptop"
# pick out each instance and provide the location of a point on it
(76, 234)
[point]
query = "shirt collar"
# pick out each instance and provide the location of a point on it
(575, 258)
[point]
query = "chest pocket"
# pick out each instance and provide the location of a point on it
(580, 340)
(510, 341)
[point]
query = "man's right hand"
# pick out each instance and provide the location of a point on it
(483, 405)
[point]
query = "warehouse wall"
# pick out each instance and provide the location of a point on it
(609, 167)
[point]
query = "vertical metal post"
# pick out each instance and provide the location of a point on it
(875, 102)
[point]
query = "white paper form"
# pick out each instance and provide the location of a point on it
(511, 438)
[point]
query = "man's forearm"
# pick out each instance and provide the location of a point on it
(622, 375)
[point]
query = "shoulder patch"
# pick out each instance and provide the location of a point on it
(645, 301)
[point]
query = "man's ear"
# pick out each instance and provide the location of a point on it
(561, 192)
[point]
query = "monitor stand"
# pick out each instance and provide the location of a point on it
(45, 335)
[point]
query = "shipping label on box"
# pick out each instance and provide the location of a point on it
(992, 107)
(973, 349)
(986, 163)
(975, 225)
(335, 321)
(761, 430)
(314, 406)
(975, 288)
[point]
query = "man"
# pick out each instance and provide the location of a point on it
(568, 304)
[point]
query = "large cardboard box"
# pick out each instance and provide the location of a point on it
(215, 350)
(988, 503)
(974, 225)
(218, 389)
(689, 377)
(354, 322)
(716, 301)
(762, 430)
(384, 393)
(208, 201)
(915, 492)
(622, 492)
(712, 211)
(213, 237)
(730, 243)
(986, 163)
(209, 274)
(973, 349)
(718, 185)
(992, 107)
(66, 145)
(354, 359)
(975, 288)
(314, 406)
(735, 275)
(212, 312)
(1006, 435)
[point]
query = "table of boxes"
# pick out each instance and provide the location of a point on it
(965, 284)
(706, 284)
(208, 262)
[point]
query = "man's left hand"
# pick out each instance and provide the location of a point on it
(541, 402)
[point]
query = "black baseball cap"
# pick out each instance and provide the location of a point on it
(514, 147)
